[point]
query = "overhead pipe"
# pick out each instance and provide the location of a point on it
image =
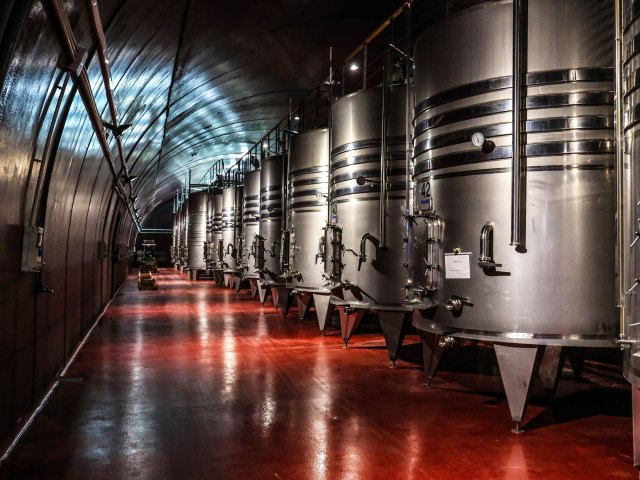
(620, 177)
(62, 27)
(98, 33)
(518, 170)
(386, 90)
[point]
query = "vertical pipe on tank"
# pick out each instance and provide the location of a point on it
(619, 138)
(383, 147)
(518, 173)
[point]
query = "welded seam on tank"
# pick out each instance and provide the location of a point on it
(308, 181)
(373, 142)
(595, 146)
(543, 125)
(484, 109)
(304, 171)
(501, 83)
(55, 384)
(546, 168)
(358, 160)
(307, 193)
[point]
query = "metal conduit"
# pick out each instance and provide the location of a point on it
(98, 33)
(518, 172)
(60, 23)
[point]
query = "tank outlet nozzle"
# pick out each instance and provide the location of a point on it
(446, 341)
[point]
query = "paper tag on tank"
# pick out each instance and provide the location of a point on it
(457, 265)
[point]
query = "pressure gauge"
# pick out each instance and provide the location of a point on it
(477, 139)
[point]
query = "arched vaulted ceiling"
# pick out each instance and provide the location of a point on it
(201, 80)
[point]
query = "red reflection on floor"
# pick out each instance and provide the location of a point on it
(194, 381)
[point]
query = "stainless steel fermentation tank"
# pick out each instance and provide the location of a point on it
(216, 250)
(518, 249)
(184, 231)
(269, 241)
(175, 242)
(231, 230)
(307, 209)
(628, 116)
(250, 229)
(197, 233)
(366, 242)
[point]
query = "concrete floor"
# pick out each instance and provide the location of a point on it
(194, 381)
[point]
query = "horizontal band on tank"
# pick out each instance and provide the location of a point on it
(252, 221)
(634, 118)
(266, 198)
(309, 181)
(360, 159)
(601, 74)
(306, 193)
(249, 198)
(371, 188)
(251, 204)
(480, 110)
(264, 216)
(270, 188)
(557, 124)
(632, 12)
(368, 199)
(316, 203)
(596, 146)
(373, 174)
(371, 142)
(249, 213)
(271, 206)
(545, 168)
(305, 171)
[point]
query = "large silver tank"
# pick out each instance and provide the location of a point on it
(271, 213)
(307, 214)
(217, 248)
(372, 275)
(208, 254)
(630, 245)
(250, 223)
(231, 227)
(197, 230)
(307, 209)
(175, 237)
(556, 288)
(184, 230)
(559, 292)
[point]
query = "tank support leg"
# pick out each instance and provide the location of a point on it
(285, 299)
(635, 397)
(262, 291)
(517, 365)
(275, 296)
(227, 279)
(349, 320)
(431, 354)
(394, 327)
(550, 368)
(576, 360)
(237, 282)
(304, 301)
(324, 310)
(253, 285)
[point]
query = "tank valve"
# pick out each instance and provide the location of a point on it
(446, 341)
(455, 304)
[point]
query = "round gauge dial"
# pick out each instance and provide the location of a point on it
(477, 139)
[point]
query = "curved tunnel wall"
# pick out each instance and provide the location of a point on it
(52, 174)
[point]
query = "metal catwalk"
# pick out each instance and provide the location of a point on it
(196, 381)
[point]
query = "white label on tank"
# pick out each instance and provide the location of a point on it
(457, 265)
